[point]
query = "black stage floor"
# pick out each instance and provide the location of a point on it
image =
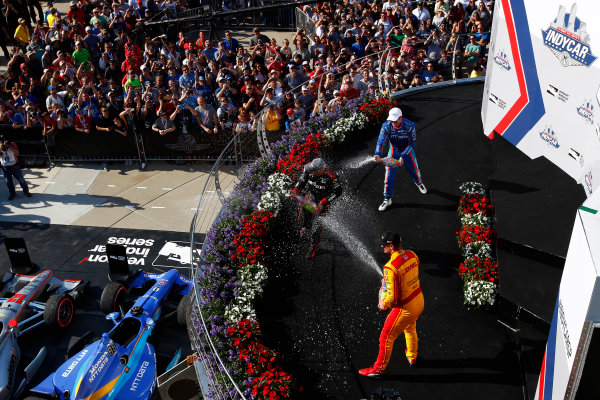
(75, 252)
(322, 313)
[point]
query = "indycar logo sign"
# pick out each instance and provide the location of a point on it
(568, 40)
(586, 111)
(549, 136)
(502, 60)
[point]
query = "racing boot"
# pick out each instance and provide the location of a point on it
(386, 203)
(371, 372)
(421, 187)
(411, 361)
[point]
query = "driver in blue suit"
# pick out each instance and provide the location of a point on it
(402, 136)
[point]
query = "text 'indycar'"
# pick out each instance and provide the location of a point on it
(121, 364)
(28, 301)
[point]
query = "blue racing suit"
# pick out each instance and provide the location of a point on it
(402, 145)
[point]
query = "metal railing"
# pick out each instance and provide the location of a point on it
(215, 377)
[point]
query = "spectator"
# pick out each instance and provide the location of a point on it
(226, 114)
(348, 91)
(363, 84)
(257, 36)
(206, 116)
(306, 99)
(272, 120)
(22, 33)
(429, 74)
(421, 13)
(292, 120)
(82, 121)
(472, 53)
(163, 125)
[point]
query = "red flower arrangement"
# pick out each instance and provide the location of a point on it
(377, 110)
(268, 380)
(478, 268)
(473, 233)
(474, 203)
(250, 240)
(302, 154)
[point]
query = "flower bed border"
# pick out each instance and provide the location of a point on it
(235, 261)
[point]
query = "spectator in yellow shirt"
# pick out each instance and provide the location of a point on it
(52, 16)
(272, 118)
(22, 33)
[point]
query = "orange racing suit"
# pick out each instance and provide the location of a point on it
(400, 290)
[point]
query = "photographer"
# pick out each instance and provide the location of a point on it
(131, 114)
(226, 113)
(434, 46)
(33, 118)
(10, 168)
(182, 114)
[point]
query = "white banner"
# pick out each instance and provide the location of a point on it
(543, 82)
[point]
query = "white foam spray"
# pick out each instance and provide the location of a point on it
(357, 162)
(351, 242)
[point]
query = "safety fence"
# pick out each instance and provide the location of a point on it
(140, 146)
(216, 380)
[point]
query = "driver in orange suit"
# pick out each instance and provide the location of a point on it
(400, 291)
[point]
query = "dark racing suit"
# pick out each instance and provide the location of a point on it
(322, 188)
(402, 142)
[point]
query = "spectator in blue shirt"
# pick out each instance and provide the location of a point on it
(359, 46)
(209, 51)
(19, 120)
(187, 80)
(230, 43)
(25, 97)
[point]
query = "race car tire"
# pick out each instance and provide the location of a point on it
(59, 311)
(112, 296)
(183, 310)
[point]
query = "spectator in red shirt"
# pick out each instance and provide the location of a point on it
(131, 63)
(82, 121)
(348, 91)
(76, 13)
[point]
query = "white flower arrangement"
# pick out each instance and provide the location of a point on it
(269, 201)
(242, 306)
(279, 183)
(472, 188)
(337, 132)
(475, 219)
(480, 293)
(479, 248)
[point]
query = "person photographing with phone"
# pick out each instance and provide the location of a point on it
(10, 168)
(402, 136)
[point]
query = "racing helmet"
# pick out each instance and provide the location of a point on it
(316, 165)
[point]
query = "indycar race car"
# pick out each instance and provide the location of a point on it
(28, 301)
(122, 363)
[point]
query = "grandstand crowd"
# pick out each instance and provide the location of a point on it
(83, 70)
